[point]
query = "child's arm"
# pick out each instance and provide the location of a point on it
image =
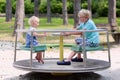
(72, 33)
(39, 35)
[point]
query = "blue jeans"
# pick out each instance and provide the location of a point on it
(79, 42)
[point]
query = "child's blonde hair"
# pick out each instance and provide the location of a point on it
(84, 13)
(33, 18)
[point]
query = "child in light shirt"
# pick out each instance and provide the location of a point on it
(34, 23)
(91, 38)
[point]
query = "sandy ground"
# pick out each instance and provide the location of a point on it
(8, 72)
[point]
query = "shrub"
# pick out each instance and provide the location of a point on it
(118, 4)
(2, 6)
(94, 10)
(43, 7)
(70, 7)
(13, 6)
(84, 5)
(118, 12)
(56, 7)
(99, 7)
(103, 11)
(29, 7)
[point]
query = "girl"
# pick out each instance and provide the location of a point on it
(34, 22)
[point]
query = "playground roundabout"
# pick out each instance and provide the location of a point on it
(50, 65)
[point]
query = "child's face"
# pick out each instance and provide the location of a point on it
(83, 19)
(35, 23)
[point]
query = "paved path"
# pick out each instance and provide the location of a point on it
(8, 72)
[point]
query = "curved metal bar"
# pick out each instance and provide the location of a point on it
(15, 47)
(31, 50)
(108, 45)
(84, 52)
(55, 30)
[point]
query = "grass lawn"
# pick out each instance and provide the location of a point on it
(6, 28)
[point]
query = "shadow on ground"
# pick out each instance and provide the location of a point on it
(49, 76)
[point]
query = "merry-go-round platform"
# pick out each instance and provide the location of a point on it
(50, 66)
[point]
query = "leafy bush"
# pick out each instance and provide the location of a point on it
(99, 7)
(2, 6)
(43, 7)
(103, 11)
(70, 7)
(118, 12)
(13, 6)
(84, 5)
(29, 7)
(56, 7)
(94, 10)
(118, 4)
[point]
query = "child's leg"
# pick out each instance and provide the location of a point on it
(39, 57)
(71, 55)
(78, 58)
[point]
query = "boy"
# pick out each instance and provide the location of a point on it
(91, 38)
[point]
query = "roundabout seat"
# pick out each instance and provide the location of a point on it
(41, 48)
(79, 49)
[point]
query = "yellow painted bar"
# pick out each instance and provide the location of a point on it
(61, 47)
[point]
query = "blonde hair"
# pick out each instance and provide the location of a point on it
(33, 18)
(84, 13)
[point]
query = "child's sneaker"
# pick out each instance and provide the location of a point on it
(64, 62)
(77, 59)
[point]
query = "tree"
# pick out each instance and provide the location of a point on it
(19, 17)
(64, 12)
(112, 15)
(48, 11)
(89, 7)
(112, 20)
(77, 8)
(8, 10)
(36, 7)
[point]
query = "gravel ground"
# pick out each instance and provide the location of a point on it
(8, 72)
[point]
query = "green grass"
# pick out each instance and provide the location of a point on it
(6, 28)
(100, 20)
(118, 21)
(56, 23)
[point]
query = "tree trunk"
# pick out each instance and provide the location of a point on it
(64, 12)
(8, 10)
(19, 17)
(36, 7)
(77, 8)
(48, 11)
(112, 20)
(112, 15)
(89, 7)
